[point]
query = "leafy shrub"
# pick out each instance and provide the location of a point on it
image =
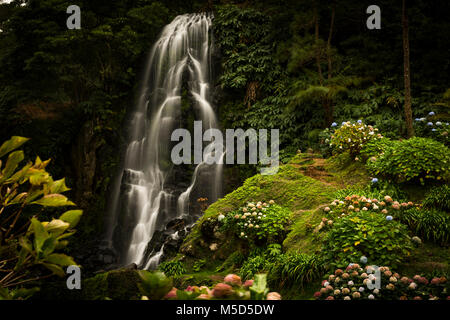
(172, 268)
(260, 222)
(154, 285)
(351, 137)
(375, 148)
(353, 284)
(430, 224)
(367, 234)
(413, 159)
(438, 197)
(429, 127)
(27, 245)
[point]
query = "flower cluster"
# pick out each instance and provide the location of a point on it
(230, 288)
(355, 283)
(256, 220)
(426, 127)
(351, 137)
(356, 203)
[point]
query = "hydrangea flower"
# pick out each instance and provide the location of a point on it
(220, 217)
(430, 123)
(359, 121)
(363, 259)
(438, 123)
(374, 180)
(334, 124)
(431, 113)
(389, 218)
(433, 130)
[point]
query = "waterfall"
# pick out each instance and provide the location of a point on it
(180, 59)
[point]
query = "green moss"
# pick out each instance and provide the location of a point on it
(347, 172)
(116, 285)
(289, 188)
(301, 237)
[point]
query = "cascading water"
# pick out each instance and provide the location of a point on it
(181, 56)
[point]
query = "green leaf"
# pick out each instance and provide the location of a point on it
(55, 269)
(26, 244)
(12, 144)
(11, 164)
(259, 290)
(59, 186)
(56, 226)
(60, 260)
(40, 235)
(54, 200)
(72, 217)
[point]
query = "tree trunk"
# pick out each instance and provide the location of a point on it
(317, 48)
(407, 73)
(329, 106)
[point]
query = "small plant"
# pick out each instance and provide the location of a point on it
(438, 197)
(380, 238)
(351, 137)
(198, 265)
(172, 268)
(260, 222)
(296, 269)
(254, 265)
(154, 285)
(429, 224)
(413, 159)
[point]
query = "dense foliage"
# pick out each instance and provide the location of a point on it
(416, 159)
(29, 247)
(380, 239)
(258, 223)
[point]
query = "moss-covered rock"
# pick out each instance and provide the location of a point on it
(288, 188)
(116, 285)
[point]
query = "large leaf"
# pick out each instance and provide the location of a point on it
(59, 186)
(60, 260)
(259, 290)
(12, 144)
(11, 164)
(49, 246)
(54, 200)
(55, 269)
(56, 226)
(40, 235)
(38, 176)
(72, 217)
